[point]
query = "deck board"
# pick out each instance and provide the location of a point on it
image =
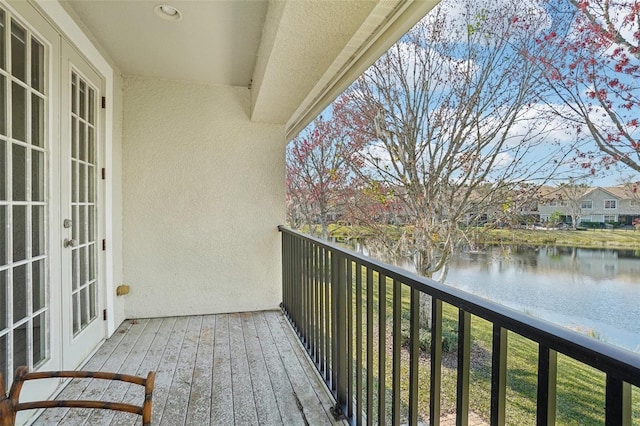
(174, 411)
(117, 391)
(244, 407)
(167, 368)
(282, 388)
(198, 412)
(221, 401)
(313, 408)
(159, 334)
(227, 369)
(263, 394)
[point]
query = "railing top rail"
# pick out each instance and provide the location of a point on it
(610, 359)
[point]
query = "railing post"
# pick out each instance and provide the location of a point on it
(315, 280)
(341, 341)
(328, 330)
(285, 267)
(547, 376)
(436, 361)
(318, 310)
(397, 350)
(382, 348)
(358, 402)
(464, 362)
(333, 312)
(370, 373)
(311, 285)
(304, 287)
(295, 284)
(618, 402)
(498, 375)
(414, 347)
(348, 291)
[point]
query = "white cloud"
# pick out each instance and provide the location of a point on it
(498, 16)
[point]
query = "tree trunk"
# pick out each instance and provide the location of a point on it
(425, 311)
(325, 228)
(422, 266)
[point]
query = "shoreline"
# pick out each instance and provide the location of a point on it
(594, 239)
(615, 239)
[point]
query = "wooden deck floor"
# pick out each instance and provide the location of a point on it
(231, 369)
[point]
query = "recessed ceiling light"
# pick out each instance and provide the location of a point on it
(168, 13)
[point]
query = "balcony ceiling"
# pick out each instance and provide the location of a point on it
(296, 55)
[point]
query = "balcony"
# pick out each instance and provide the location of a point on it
(251, 368)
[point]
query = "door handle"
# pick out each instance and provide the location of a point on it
(70, 243)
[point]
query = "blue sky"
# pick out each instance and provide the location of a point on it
(562, 136)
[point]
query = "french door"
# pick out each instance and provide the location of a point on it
(50, 288)
(83, 327)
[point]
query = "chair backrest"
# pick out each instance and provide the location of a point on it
(10, 405)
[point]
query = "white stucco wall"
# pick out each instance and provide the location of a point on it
(203, 192)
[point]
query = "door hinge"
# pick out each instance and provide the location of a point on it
(104, 245)
(104, 173)
(104, 314)
(104, 102)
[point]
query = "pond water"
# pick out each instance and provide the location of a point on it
(595, 292)
(592, 291)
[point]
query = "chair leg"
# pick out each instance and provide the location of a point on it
(147, 406)
(7, 409)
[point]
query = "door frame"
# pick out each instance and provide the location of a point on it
(111, 200)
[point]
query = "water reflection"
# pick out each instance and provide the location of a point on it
(596, 292)
(568, 261)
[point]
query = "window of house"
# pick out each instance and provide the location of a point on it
(610, 204)
(553, 203)
(634, 203)
(609, 218)
(587, 204)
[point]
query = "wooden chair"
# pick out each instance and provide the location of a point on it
(10, 404)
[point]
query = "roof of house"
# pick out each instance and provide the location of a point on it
(624, 192)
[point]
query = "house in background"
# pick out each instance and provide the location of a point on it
(627, 205)
(618, 204)
(143, 144)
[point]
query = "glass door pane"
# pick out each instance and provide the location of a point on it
(83, 202)
(24, 156)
